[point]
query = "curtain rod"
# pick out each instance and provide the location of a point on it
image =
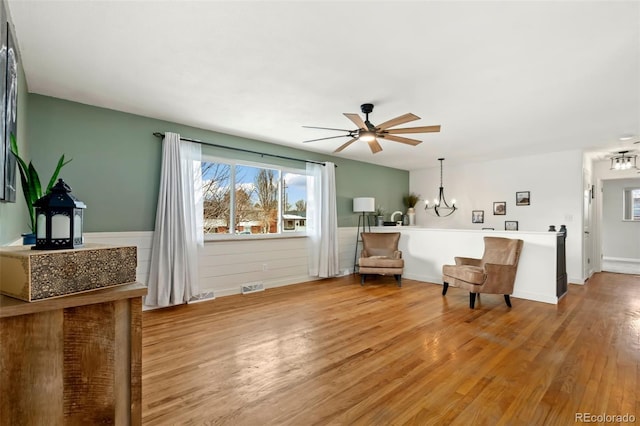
(161, 135)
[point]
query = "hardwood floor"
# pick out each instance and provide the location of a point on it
(333, 352)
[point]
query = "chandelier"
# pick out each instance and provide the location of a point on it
(440, 206)
(623, 161)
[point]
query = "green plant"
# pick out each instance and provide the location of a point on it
(411, 199)
(379, 211)
(31, 181)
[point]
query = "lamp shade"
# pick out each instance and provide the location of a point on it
(364, 204)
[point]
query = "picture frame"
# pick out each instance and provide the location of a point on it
(523, 198)
(499, 208)
(510, 225)
(10, 117)
(5, 147)
(477, 216)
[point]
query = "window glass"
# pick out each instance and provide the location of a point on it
(631, 205)
(216, 192)
(294, 204)
(264, 200)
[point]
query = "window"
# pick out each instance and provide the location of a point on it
(631, 204)
(243, 198)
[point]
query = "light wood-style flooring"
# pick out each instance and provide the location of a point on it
(333, 352)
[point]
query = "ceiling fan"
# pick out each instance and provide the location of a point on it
(371, 133)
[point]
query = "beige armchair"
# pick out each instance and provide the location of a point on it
(495, 273)
(380, 255)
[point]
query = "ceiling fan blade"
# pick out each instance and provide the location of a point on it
(400, 139)
(375, 146)
(356, 119)
(341, 147)
(398, 120)
(330, 137)
(423, 129)
(327, 128)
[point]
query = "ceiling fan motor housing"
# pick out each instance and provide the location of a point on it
(366, 108)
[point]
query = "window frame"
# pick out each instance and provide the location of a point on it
(627, 204)
(235, 236)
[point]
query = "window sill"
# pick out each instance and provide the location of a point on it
(208, 238)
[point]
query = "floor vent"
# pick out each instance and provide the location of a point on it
(251, 288)
(207, 295)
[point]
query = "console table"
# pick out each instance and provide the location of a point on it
(74, 359)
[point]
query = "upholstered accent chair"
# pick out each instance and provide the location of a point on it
(380, 255)
(495, 273)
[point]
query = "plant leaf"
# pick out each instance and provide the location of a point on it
(54, 176)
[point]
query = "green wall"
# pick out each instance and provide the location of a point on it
(116, 163)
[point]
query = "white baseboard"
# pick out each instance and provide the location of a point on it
(621, 265)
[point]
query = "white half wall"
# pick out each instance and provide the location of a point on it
(554, 181)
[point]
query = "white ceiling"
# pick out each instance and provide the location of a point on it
(502, 78)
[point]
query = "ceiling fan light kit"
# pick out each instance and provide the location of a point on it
(371, 134)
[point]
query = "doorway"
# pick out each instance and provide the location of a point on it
(620, 234)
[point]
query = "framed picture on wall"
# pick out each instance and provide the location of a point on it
(477, 216)
(9, 126)
(500, 208)
(5, 148)
(510, 225)
(523, 198)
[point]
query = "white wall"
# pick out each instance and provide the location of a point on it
(555, 183)
(620, 239)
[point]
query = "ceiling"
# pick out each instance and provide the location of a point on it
(503, 79)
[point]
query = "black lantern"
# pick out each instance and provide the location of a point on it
(59, 219)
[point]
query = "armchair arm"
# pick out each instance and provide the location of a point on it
(467, 261)
(500, 278)
(364, 253)
(397, 254)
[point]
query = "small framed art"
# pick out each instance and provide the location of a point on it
(510, 225)
(500, 208)
(523, 198)
(477, 216)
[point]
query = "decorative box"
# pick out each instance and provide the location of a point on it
(33, 275)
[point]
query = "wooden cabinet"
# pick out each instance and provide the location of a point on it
(73, 359)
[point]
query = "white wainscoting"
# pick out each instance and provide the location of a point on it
(224, 266)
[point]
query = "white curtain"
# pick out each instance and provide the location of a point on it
(322, 220)
(173, 275)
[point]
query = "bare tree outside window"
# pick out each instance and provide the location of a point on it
(267, 191)
(216, 193)
(301, 206)
(254, 200)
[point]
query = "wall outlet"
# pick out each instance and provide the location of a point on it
(265, 267)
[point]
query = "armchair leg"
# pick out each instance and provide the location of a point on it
(445, 287)
(507, 299)
(472, 300)
(361, 279)
(399, 279)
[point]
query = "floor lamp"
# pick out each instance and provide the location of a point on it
(362, 205)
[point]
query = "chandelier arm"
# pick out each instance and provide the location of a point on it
(441, 203)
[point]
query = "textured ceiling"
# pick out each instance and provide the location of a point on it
(503, 79)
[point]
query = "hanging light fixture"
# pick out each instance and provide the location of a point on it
(623, 161)
(440, 206)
